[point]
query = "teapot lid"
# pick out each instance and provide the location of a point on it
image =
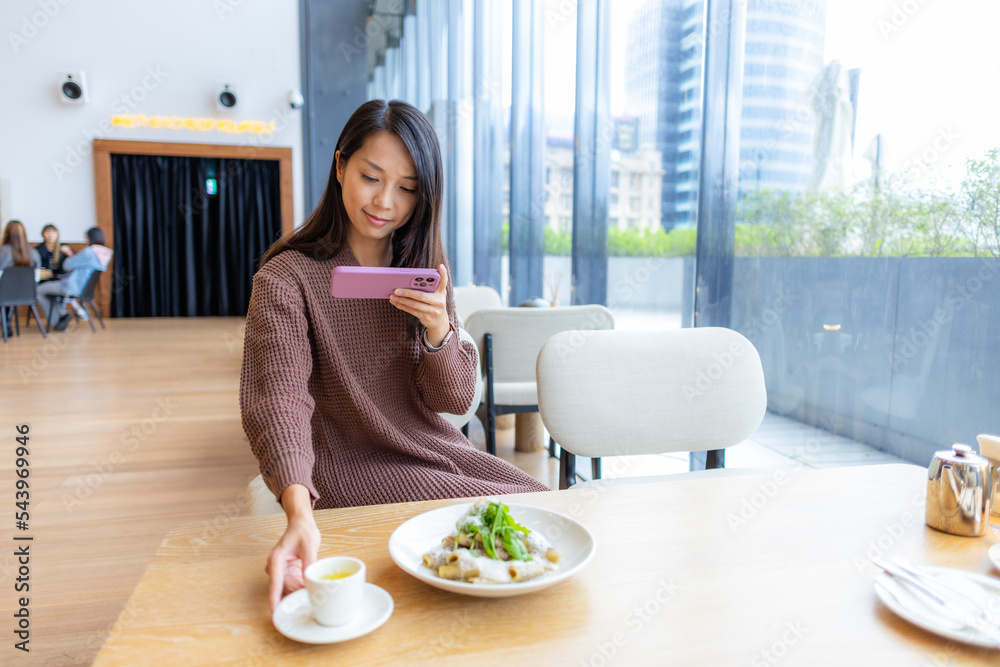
(961, 454)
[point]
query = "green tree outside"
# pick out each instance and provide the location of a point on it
(863, 221)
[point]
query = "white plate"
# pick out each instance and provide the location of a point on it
(411, 540)
(994, 554)
(293, 619)
(899, 597)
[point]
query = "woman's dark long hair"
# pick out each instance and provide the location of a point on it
(417, 244)
(15, 236)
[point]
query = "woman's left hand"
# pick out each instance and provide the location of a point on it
(431, 308)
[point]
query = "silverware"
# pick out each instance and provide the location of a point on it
(916, 604)
(953, 602)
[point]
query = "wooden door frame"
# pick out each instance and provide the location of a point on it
(103, 148)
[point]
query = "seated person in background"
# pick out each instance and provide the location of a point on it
(14, 248)
(95, 257)
(51, 251)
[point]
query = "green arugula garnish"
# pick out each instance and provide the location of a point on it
(497, 522)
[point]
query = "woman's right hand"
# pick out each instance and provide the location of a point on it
(297, 548)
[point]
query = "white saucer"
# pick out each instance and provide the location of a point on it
(293, 619)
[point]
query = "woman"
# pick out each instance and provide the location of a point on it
(51, 251)
(339, 396)
(14, 248)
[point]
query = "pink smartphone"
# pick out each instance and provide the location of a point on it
(374, 282)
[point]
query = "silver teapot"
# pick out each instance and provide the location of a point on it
(959, 492)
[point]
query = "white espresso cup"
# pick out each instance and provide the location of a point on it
(335, 587)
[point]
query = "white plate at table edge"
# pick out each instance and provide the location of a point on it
(887, 587)
(293, 619)
(575, 542)
(994, 554)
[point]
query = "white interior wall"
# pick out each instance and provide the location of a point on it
(141, 58)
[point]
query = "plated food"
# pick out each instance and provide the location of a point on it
(423, 533)
(489, 547)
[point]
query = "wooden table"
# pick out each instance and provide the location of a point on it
(749, 570)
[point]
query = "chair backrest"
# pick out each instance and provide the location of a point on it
(519, 333)
(461, 420)
(608, 393)
(87, 292)
(17, 286)
(475, 297)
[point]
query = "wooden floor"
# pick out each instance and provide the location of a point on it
(133, 431)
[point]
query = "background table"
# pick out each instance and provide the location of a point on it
(751, 570)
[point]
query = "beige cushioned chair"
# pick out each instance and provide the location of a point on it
(471, 298)
(615, 393)
(260, 500)
(509, 340)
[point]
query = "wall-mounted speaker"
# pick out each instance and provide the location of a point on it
(73, 88)
(226, 98)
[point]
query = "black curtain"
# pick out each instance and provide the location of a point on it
(180, 250)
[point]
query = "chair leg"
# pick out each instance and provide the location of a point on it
(491, 429)
(490, 426)
(552, 447)
(567, 469)
(17, 320)
(716, 459)
(52, 311)
(595, 467)
(3, 322)
(38, 320)
(90, 321)
(93, 308)
(465, 430)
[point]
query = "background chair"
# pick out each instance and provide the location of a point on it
(85, 298)
(17, 288)
(613, 393)
(509, 340)
(260, 500)
(462, 421)
(472, 298)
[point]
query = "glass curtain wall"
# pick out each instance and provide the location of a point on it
(844, 175)
(451, 59)
(548, 212)
(655, 109)
(866, 238)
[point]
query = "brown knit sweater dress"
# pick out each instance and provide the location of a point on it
(341, 396)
